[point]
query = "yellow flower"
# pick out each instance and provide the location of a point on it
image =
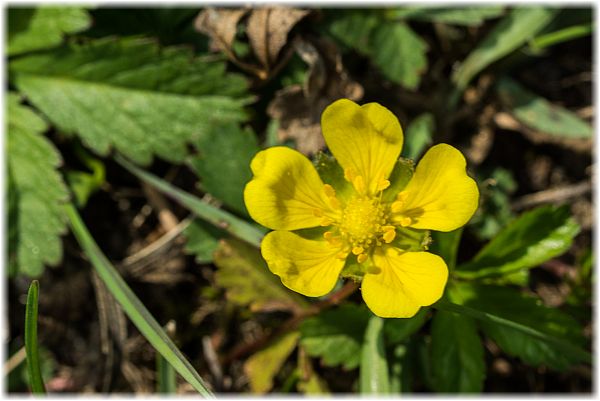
(363, 220)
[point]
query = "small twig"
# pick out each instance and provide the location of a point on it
(167, 219)
(158, 244)
(15, 360)
(292, 323)
(213, 361)
(553, 195)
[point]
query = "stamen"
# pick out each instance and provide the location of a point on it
(342, 255)
(389, 236)
(349, 174)
(383, 184)
(329, 191)
(362, 257)
(397, 206)
(327, 235)
(357, 250)
(335, 203)
(359, 184)
(406, 221)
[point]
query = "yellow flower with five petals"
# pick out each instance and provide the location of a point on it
(361, 220)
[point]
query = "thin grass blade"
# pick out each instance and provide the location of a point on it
(31, 343)
(220, 218)
(132, 306)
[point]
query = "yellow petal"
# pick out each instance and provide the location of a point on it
(440, 196)
(309, 267)
(402, 282)
(286, 192)
(366, 140)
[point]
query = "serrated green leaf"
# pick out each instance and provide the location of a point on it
(533, 238)
(529, 311)
(262, 367)
(131, 95)
(249, 282)
(223, 163)
(43, 27)
(471, 16)
(398, 330)
(202, 240)
(418, 136)
(456, 354)
(354, 28)
(36, 193)
(513, 31)
(336, 335)
(374, 375)
(399, 53)
(539, 114)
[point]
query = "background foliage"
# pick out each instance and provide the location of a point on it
(144, 121)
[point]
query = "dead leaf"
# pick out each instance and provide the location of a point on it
(220, 25)
(267, 30)
(299, 108)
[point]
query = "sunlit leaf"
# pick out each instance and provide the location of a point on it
(43, 27)
(36, 193)
(131, 95)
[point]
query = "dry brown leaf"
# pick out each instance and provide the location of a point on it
(220, 25)
(267, 30)
(298, 108)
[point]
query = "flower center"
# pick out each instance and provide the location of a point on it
(361, 221)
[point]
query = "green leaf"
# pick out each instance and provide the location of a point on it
(418, 136)
(560, 36)
(336, 335)
(131, 95)
(392, 46)
(132, 306)
(529, 311)
(533, 238)
(262, 367)
(202, 240)
(470, 16)
(398, 330)
(242, 271)
(31, 343)
(539, 114)
(36, 193)
(399, 53)
(513, 31)
(445, 244)
(374, 376)
(220, 218)
(457, 354)
(84, 184)
(223, 163)
(399, 178)
(43, 27)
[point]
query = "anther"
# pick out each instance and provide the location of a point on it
(329, 191)
(326, 221)
(342, 255)
(328, 235)
(406, 221)
(362, 257)
(357, 250)
(349, 174)
(383, 184)
(359, 184)
(389, 236)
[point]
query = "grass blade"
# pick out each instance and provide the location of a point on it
(31, 344)
(132, 306)
(484, 316)
(220, 218)
(165, 376)
(374, 377)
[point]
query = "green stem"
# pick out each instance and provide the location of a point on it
(220, 218)
(31, 343)
(488, 317)
(133, 307)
